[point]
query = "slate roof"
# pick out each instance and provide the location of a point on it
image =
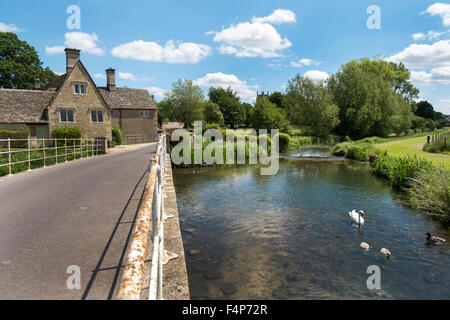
(55, 84)
(126, 98)
(23, 106)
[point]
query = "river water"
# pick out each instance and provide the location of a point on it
(288, 236)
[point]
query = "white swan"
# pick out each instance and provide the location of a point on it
(357, 217)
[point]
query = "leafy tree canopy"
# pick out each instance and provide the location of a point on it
(267, 115)
(311, 106)
(184, 103)
(229, 103)
(20, 64)
(368, 103)
(278, 99)
(425, 110)
(213, 113)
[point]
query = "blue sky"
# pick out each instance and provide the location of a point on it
(249, 45)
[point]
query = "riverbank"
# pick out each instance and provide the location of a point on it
(414, 146)
(425, 183)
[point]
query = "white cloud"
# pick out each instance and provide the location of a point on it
(130, 76)
(9, 28)
(440, 9)
(84, 41)
(251, 40)
(127, 76)
(222, 80)
(443, 106)
(304, 62)
(424, 56)
(316, 75)
(157, 92)
(440, 75)
(431, 35)
(277, 17)
(79, 40)
(186, 52)
(54, 50)
(99, 76)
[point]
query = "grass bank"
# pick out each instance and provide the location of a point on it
(425, 180)
(413, 146)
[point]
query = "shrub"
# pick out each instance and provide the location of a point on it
(22, 134)
(284, 140)
(440, 146)
(215, 126)
(67, 133)
(418, 131)
(410, 132)
(402, 170)
(116, 135)
(430, 193)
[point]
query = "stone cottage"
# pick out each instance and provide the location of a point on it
(74, 100)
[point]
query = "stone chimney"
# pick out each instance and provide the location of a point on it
(37, 84)
(111, 79)
(72, 58)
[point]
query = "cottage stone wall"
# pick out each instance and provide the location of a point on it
(132, 124)
(82, 104)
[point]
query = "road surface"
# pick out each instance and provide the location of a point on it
(78, 214)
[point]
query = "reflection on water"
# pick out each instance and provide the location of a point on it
(288, 236)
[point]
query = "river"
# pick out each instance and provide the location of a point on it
(288, 236)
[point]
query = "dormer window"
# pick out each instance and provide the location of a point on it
(80, 88)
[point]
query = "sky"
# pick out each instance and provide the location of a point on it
(249, 45)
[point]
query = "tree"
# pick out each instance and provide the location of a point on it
(396, 74)
(184, 103)
(267, 115)
(212, 113)
(278, 99)
(425, 110)
(248, 110)
(229, 104)
(20, 64)
(367, 99)
(311, 106)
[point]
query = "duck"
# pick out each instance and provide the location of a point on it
(434, 240)
(386, 252)
(357, 217)
(365, 246)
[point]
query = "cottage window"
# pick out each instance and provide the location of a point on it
(66, 115)
(144, 114)
(97, 116)
(80, 88)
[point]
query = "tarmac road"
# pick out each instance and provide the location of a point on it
(78, 214)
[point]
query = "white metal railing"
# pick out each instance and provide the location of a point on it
(151, 210)
(35, 153)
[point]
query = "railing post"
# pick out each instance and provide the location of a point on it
(9, 155)
(28, 153)
(65, 147)
(56, 151)
(81, 148)
(74, 150)
(43, 146)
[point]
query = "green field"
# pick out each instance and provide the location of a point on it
(414, 145)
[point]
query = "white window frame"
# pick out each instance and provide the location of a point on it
(67, 118)
(84, 85)
(96, 116)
